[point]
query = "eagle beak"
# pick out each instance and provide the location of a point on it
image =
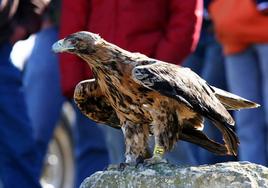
(62, 46)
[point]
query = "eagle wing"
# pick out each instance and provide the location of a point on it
(93, 104)
(183, 85)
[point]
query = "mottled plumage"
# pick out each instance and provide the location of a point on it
(141, 95)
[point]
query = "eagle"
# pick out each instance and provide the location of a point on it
(145, 96)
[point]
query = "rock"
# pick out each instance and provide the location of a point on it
(221, 175)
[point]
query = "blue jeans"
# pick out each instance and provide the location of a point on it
(44, 100)
(115, 144)
(18, 165)
(42, 89)
(247, 75)
(91, 154)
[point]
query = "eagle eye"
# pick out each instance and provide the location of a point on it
(73, 42)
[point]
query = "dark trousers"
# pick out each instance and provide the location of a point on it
(17, 149)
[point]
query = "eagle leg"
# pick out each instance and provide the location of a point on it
(159, 150)
(166, 132)
(157, 157)
(136, 141)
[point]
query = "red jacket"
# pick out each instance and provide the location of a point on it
(163, 29)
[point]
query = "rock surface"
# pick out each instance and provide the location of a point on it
(221, 175)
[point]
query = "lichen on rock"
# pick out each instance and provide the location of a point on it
(221, 175)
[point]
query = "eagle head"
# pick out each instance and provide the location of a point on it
(79, 43)
(90, 47)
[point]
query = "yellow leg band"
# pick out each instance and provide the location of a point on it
(158, 150)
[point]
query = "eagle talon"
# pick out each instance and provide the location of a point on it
(122, 166)
(119, 167)
(154, 160)
(139, 161)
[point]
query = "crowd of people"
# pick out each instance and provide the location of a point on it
(224, 41)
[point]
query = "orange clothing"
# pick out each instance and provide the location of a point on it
(238, 24)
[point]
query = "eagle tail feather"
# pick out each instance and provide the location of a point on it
(229, 137)
(233, 102)
(198, 137)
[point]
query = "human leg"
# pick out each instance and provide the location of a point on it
(262, 51)
(18, 150)
(115, 144)
(42, 88)
(244, 79)
(90, 149)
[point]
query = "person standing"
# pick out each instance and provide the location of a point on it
(18, 153)
(241, 28)
(43, 96)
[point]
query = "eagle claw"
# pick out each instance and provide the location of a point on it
(154, 160)
(122, 166)
(119, 167)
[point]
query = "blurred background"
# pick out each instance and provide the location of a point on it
(43, 136)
